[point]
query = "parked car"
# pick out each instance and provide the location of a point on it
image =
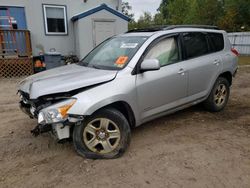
(128, 80)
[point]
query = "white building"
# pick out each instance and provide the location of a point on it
(68, 26)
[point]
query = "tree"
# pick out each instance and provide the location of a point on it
(159, 19)
(236, 15)
(231, 15)
(177, 11)
(126, 8)
(163, 9)
(208, 12)
(145, 20)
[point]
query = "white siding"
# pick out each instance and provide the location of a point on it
(35, 23)
(84, 32)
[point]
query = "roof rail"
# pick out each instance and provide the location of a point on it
(191, 26)
(149, 29)
(169, 27)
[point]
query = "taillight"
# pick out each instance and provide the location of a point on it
(235, 51)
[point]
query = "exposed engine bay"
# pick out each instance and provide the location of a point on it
(32, 107)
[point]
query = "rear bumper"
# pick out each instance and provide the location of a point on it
(235, 72)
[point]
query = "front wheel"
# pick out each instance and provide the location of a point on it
(104, 135)
(219, 95)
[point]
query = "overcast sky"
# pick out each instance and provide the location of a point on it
(140, 6)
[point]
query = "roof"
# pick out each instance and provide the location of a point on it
(170, 27)
(169, 31)
(97, 9)
(140, 34)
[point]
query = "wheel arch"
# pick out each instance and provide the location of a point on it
(125, 109)
(227, 75)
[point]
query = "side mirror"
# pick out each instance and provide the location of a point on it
(150, 65)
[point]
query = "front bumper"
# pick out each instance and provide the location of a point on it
(59, 130)
(26, 108)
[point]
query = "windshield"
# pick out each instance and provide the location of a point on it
(113, 54)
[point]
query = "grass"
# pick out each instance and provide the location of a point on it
(244, 60)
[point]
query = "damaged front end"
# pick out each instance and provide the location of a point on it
(51, 113)
(47, 96)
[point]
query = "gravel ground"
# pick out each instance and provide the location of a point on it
(191, 148)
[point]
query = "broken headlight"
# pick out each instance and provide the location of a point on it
(56, 113)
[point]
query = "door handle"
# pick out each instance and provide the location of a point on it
(216, 62)
(181, 71)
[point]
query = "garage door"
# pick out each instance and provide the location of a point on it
(103, 30)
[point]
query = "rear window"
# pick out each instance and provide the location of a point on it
(195, 44)
(216, 41)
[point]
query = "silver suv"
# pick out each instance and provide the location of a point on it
(128, 80)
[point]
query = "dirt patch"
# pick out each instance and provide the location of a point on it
(191, 148)
(244, 60)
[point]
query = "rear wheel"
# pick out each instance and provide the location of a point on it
(219, 95)
(104, 135)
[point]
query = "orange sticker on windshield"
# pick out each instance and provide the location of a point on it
(121, 60)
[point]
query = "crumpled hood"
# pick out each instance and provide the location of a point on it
(64, 79)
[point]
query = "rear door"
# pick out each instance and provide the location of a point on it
(203, 63)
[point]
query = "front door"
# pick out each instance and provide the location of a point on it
(164, 89)
(103, 30)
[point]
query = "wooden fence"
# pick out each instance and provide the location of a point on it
(16, 67)
(15, 53)
(15, 43)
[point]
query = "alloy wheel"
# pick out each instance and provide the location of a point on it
(101, 135)
(220, 95)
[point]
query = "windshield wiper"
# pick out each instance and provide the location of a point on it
(82, 63)
(96, 66)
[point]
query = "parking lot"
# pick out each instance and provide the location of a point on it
(191, 148)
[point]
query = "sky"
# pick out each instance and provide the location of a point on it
(140, 6)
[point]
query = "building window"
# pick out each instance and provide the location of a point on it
(55, 20)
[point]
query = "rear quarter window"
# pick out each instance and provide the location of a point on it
(216, 42)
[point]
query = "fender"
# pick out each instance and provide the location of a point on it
(98, 97)
(227, 66)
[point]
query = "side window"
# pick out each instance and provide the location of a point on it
(216, 42)
(195, 44)
(166, 51)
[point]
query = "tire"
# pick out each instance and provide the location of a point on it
(104, 135)
(212, 103)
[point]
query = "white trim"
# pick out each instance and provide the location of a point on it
(45, 19)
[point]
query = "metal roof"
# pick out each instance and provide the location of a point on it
(97, 9)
